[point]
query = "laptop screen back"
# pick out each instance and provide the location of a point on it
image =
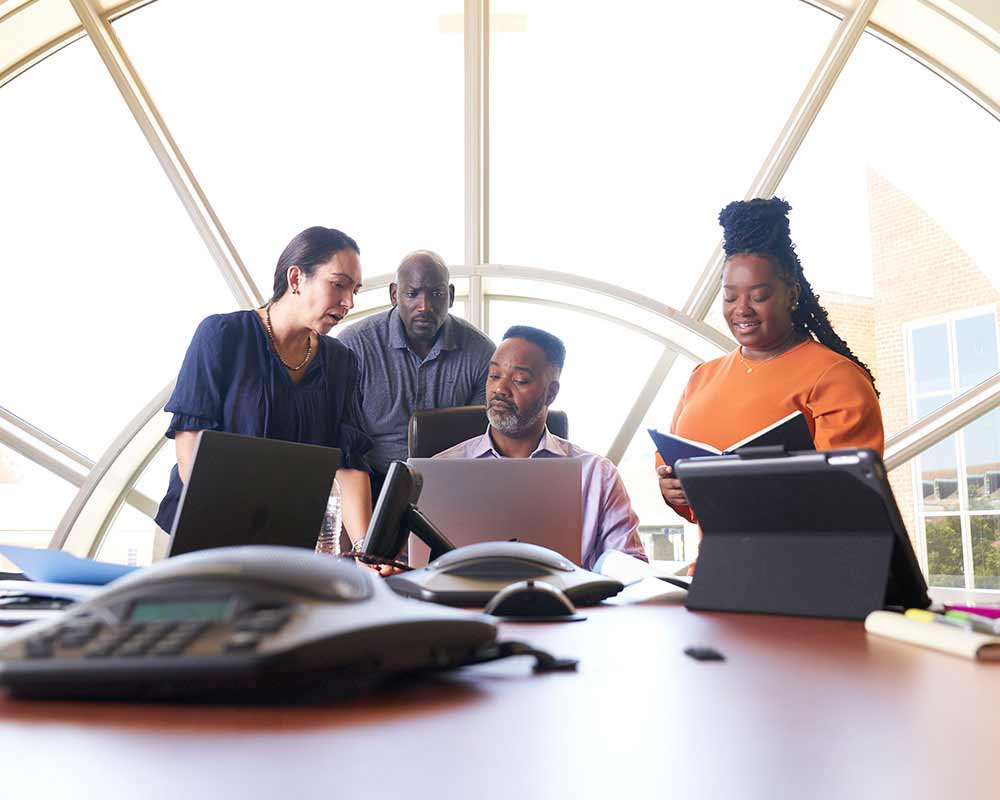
(248, 490)
(536, 500)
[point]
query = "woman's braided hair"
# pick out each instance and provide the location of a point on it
(760, 227)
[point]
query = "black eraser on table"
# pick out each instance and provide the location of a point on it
(704, 654)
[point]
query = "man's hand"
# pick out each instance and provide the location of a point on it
(670, 487)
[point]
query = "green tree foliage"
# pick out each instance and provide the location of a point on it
(944, 551)
(985, 551)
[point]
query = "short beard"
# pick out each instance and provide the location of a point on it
(516, 424)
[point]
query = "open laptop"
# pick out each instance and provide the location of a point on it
(248, 490)
(535, 500)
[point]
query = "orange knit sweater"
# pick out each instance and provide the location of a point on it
(723, 404)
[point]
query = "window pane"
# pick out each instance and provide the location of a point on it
(976, 342)
(938, 468)
(343, 114)
(597, 385)
(878, 212)
(930, 359)
(130, 538)
(982, 461)
(32, 502)
(113, 276)
(944, 551)
(663, 530)
(154, 479)
(618, 131)
(986, 551)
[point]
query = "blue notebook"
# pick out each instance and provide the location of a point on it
(55, 566)
(791, 432)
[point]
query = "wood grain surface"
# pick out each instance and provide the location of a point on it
(799, 709)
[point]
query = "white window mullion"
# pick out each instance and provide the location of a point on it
(960, 472)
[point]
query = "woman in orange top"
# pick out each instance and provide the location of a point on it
(789, 357)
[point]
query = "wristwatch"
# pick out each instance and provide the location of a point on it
(358, 546)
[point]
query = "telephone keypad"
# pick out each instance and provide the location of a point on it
(263, 620)
(144, 639)
(241, 642)
(176, 640)
(93, 638)
(38, 647)
(77, 633)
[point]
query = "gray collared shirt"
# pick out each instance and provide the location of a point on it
(395, 382)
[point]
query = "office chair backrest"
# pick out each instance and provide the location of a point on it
(437, 429)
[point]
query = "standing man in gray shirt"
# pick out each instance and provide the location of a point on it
(415, 356)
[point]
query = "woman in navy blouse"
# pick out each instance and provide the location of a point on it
(271, 372)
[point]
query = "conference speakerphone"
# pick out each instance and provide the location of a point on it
(246, 623)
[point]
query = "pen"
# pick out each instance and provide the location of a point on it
(981, 624)
(920, 615)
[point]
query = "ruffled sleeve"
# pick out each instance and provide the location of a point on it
(196, 402)
(352, 439)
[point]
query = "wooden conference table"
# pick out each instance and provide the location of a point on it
(799, 709)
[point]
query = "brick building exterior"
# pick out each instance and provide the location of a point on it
(919, 272)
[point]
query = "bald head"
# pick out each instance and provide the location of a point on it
(424, 261)
(422, 293)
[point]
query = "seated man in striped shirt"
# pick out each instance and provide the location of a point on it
(522, 382)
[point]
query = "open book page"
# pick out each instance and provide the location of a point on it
(622, 567)
(933, 635)
(629, 570)
(672, 447)
(648, 590)
(791, 432)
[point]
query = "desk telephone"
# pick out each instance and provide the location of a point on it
(241, 623)
(473, 574)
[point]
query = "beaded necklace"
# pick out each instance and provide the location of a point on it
(274, 346)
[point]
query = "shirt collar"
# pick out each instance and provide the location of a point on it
(397, 334)
(551, 443)
(547, 445)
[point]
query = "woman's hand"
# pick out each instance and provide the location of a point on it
(385, 570)
(382, 570)
(670, 487)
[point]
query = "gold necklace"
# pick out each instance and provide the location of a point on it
(739, 352)
(270, 336)
(749, 369)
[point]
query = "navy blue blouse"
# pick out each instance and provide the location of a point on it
(232, 380)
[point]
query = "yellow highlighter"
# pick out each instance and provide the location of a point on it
(921, 615)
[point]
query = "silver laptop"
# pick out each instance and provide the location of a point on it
(470, 500)
(249, 490)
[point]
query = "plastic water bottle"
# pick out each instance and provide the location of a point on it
(328, 541)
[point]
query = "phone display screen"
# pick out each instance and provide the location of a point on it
(211, 610)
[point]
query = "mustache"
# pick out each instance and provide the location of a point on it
(501, 402)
